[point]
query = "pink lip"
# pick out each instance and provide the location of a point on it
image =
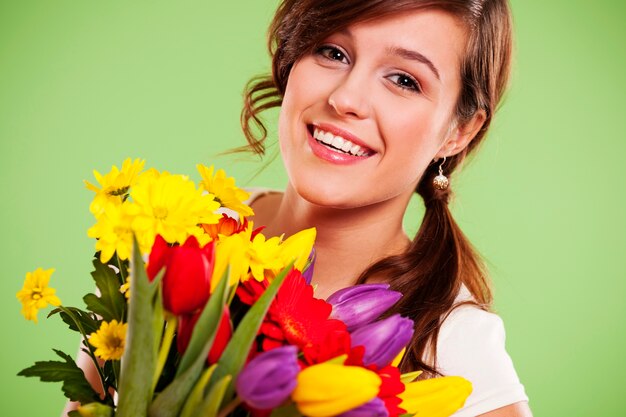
(329, 155)
(344, 134)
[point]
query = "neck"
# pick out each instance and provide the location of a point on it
(348, 240)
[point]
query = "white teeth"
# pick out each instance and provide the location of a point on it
(338, 142)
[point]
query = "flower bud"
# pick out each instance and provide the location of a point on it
(268, 380)
(188, 270)
(359, 305)
(383, 339)
(437, 397)
(329, 389)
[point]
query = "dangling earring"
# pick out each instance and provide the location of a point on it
(441, 182)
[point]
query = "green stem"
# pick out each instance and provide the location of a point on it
(119, 265)
(116, 371)
(230, 407)
(164, 351)
(90, 351)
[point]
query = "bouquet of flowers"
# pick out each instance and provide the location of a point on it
(198, 313)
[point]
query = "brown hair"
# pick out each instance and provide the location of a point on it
(440, 258)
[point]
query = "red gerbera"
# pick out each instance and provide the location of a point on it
(297, 318)
(390, 388)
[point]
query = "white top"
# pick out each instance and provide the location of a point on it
(471, 344)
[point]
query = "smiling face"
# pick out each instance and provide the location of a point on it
(368, 110)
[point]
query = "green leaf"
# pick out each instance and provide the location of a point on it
(75, 386)
(410, 377)
(195, 398)
(287, 410)
(74, 413)
(139, 359)
(86, 319)
(237, 350)
(206, 326)
(158, 316)
(71, 315)
(171, 400)
(211, 404)
(111, 304)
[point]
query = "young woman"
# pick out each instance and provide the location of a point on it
(380, 99)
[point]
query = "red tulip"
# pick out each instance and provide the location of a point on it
(186, 325)
(188, 270)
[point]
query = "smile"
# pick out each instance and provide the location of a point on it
(338, 143)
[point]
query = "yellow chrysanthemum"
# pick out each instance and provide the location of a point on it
(224, 190)
(115, 185)
(435, 397)
(113, 230)
(169, 205)
(109, 340)
(35, 294)
(264, 254)
(260, 256)
(329, 389)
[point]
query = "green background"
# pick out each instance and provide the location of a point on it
(85, 84)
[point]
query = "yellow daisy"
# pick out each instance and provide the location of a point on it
(264, 254)
(109, 340)
(259, 257)
(169, 205)
(224, 190)
(35, 294)
(113, 230)
(114, 186)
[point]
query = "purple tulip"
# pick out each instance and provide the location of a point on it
(268, 380)
(383, 340)
(373, 408)
(361, 304)
(307, 274)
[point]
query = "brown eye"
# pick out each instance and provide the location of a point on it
(332, 53)
(405, 81)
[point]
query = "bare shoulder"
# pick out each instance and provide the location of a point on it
(518, 409)
(264, 205)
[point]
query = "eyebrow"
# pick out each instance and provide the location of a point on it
(414, 56)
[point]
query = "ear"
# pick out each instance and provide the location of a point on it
(461, 135)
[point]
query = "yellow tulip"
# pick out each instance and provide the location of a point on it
(298, 247)
(436, 397)
(329, 389)
(231, 251)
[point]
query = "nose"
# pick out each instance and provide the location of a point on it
(350, 97)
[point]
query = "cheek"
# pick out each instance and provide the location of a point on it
(412, 140)
(298, 96)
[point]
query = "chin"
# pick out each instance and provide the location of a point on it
(328, 194)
